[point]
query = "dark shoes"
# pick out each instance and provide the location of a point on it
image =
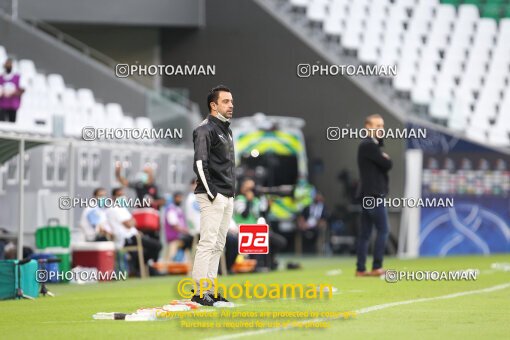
(219, 298)
(208, 299)
(205, 300)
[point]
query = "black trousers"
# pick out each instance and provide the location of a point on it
(8, 115)
(231, 250)
(276, 243)
(151, 249)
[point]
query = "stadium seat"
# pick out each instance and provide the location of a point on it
(499, 137)
(114, 114)
(421, 95)
(302, 4)
(452, 2)
(333, 23)
(474, 2)
(405, 3)
(70, 101)
(316, 10)
(85, 98)
(351, 38)
(98, 115)
(127, 122)
(452, 55)
(440, 106)
(27, 71)
(486, 28)
(460, 112)
(143, 123)
(3, 55)
(56, 84)
(468, 13)
(47, 98)
(476, 134)
(33, 121)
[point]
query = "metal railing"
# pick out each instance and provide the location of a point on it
(73, 42)
(175, 96)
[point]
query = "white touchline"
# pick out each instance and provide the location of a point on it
(369, 309)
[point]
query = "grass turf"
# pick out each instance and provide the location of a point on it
(69, 314)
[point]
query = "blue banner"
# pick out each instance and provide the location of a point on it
(478, 179)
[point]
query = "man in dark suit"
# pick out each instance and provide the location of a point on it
(373, 165)
(312, 222)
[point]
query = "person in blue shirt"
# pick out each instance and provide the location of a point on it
(93, 222)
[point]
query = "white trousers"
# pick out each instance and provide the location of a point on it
(214, 223)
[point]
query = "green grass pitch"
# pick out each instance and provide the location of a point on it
(474, 316)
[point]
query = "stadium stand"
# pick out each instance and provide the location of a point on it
(47, 99)
(452, 56)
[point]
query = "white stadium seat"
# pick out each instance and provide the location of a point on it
(468, 13)
(47, 97)
(114, 114)
(27, 71)
(56, 83)
(127, 122)
(499, 137)
(476, 134)
(333, 23)
(449, 59)
(316, 10)
(3, 55)
(143, 123)
(98, 115)
(458, 121)
(85, 98)
(70, 101)
(299, 3)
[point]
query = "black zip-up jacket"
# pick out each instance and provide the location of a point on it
(214, 158)
(373, 169)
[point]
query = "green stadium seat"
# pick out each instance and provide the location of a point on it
(452, 2)
(507, 11)
(496, 2)
(491, 11)
(474, 2)
(494, 9)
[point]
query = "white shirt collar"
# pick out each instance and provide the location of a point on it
(220, 117)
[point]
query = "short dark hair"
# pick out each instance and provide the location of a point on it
(116, 190)
(214, 94)
(368, 119)
(97, 190)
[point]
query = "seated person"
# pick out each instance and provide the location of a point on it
(145, 188)
(176, 228)
(93, 222)
(313, 219)
(248, 209)
(192, 210)
(124, 230)
(231, 245)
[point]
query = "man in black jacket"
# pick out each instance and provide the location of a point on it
(373, 165)
(214, 167)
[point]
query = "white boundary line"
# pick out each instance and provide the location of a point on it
(368, 310)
